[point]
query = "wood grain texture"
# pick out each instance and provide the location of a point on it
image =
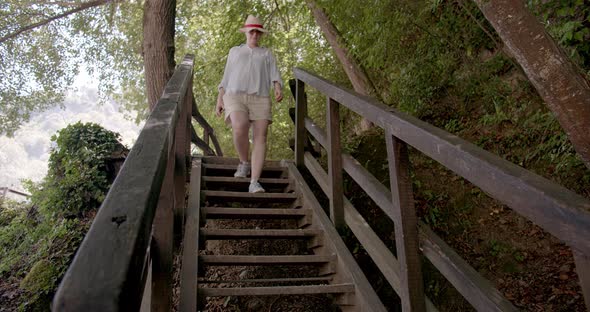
(406, 228)
(335, 180)
(300, 114)
(190, 250)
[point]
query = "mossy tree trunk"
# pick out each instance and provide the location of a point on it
(565, 90)
(158, 46)
(354, 70)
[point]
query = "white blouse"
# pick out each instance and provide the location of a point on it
(250, 71)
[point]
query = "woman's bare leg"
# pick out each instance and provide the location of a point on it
(260, 128)
(240, 125)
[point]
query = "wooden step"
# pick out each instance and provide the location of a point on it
(226, 234)
(253, 213)
(229, 170)
(278, 290)
(319, 279)
(241, 184)
(214, 180)
(264, 260)
(249, 197)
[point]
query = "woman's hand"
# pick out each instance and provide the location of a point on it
(278, 92)
(219, 106)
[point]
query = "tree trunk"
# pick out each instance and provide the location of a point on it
(158, 46)
(560, 84)
(355, 72)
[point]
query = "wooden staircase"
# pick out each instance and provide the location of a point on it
(221, 209)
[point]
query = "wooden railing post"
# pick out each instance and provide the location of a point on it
(300, 114)
(335, 163)
(163, 240)
(181, 138)
(406, 226)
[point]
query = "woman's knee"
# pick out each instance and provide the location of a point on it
(240, 125)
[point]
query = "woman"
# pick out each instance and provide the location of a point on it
(244, 96)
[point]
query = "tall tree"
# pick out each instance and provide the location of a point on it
(158, 46)
(354, 70)
(565, 90)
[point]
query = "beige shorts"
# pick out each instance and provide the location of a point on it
(257, 107)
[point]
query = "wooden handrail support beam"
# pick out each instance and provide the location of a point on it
(476, 289)
(557, 210)
(108, 271)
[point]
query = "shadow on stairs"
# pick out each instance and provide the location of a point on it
(273, 251)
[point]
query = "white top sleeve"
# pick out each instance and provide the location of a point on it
(250, 71)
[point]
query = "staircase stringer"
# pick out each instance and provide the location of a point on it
(347, 268)
(190, 251)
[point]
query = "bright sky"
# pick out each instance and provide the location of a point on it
(25, 155)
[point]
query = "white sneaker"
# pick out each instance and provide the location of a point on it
(255, 188)
(243, 170)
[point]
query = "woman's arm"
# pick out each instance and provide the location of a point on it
(275, 77)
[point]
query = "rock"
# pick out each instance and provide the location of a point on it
(254, 304)
(565, 268)
(563, 276)
(243, 274)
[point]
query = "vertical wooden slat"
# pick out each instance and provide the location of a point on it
(335, 163)
(406, 227)
(189, 117)
(300, 114)
(190, 252)
(583, 270)
(180, 171)
(163, 241)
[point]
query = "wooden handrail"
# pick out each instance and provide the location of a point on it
(108, 271)
(556, 209)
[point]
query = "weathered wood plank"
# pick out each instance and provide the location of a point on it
(228, 170)
(108, 265)
(300, 114)
(334, 163)
(320, 279)
(368, 299)
(406, 229)
(556, 209)
(190, 251)
(254, 213)
(163, 229)
(278, 290)
(223, 234)
(216, 160)
(224, 180)
(223, 260)
(250, 197)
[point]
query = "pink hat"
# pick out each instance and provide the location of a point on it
(252, 23)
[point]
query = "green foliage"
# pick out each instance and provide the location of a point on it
(39, 277)
(38, 242)
(77, 179)
(38, 66)
(568, 21)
